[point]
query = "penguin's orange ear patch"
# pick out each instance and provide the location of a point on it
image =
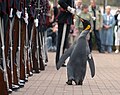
(88, 27)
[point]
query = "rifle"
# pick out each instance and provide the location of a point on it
(14, 41)
(22, 63)
(39, 53)
(34, 55)
(44, 25)
(27, 58)
(7, 27)
(30, 31)
(26, 53)
(32, 41)
(13, 66)
(37, 35)
(6, 83)
(5, 9)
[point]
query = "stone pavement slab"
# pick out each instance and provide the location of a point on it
(53, 82)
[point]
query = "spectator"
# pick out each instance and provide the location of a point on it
(107, 32)
(78, 6)
(117, 30)
(52, 37)
(95, 12)
(85, 15)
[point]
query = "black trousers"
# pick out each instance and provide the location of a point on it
(97, 38)
(62, 40)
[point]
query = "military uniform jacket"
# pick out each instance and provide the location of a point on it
(64, 16)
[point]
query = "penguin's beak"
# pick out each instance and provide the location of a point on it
(86, 24)
(81, 20)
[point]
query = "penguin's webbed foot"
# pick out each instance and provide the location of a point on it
(78, 82)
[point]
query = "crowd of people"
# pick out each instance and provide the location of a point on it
(103, 27)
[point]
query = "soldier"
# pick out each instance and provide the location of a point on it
(64, 21)
(116, 30)
(95, 12)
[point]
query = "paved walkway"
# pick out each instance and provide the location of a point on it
(52, 82)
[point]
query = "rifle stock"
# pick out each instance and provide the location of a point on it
(15, 44)
(22, 64)
(9, 77)
(15, 76)
(3, 84)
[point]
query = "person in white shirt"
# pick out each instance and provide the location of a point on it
(117, 30)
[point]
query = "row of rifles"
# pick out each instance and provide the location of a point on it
(22, 41)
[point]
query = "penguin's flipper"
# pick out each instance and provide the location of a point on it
(64, 57)
(91, 65)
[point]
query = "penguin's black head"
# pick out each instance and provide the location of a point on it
(86, 24)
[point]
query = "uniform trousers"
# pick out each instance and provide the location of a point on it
(62, 40)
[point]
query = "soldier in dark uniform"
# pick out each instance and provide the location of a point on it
(65, 19)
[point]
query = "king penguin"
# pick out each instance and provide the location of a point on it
(79, 54)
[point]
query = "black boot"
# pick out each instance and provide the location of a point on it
(69, 82)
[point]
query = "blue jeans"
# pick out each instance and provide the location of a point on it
(107, 48)
(49, 43)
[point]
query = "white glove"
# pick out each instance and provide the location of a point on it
(26, 18)
(36, 22)
(18, 13)
(11, 13)
(19, 48)
(90, 56)
(118, 17)
(3, 47)
(94, 18)
(71, 10)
